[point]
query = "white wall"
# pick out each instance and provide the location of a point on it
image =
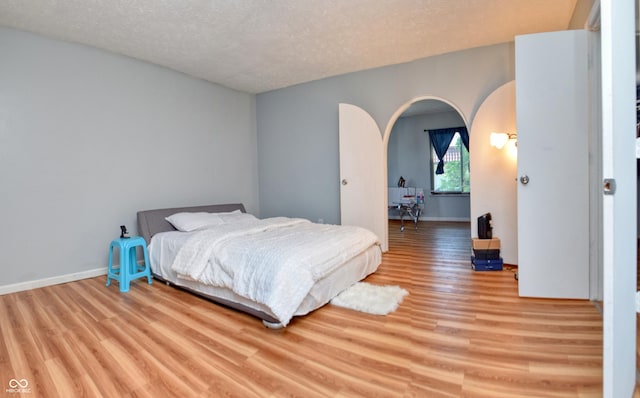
(408, 156)
(494, 171)
(87, 138)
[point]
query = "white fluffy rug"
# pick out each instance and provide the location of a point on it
(372, 299)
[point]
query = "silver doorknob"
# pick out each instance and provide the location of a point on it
(524, 179)
(344, 181)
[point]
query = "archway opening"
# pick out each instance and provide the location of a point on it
(409, 157)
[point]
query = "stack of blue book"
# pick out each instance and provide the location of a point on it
(486, 255)
(486, 265)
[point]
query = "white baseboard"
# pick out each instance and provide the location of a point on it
(55, 280)
(450, 219)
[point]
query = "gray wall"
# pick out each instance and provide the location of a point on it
(298, 154)
(87, 138)
(408, 156)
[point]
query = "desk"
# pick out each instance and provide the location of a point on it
(413, 210)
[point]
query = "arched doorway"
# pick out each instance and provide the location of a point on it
(406, 153)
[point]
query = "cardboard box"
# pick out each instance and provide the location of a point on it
(486, 244)
(486, 265)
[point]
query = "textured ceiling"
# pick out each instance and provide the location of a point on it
(261, 45)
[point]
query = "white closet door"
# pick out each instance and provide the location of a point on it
(361, 171)
(619, 207)
(553, 164)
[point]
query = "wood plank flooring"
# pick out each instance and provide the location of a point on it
(459, 333)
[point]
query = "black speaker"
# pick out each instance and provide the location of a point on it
(485, 230)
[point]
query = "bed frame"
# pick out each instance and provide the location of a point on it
(151, 222)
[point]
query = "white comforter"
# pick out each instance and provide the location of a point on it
(273, 261)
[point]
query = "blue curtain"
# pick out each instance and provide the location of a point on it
(441, 138)
(464, 135)
(637, 104)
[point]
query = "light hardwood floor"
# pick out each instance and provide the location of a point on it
(458, 333)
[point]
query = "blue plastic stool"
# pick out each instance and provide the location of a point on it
(129, 268)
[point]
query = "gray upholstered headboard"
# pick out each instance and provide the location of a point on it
(150, 222)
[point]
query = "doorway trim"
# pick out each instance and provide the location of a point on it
(385, 143)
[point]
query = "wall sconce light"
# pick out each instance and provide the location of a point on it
(499, 140)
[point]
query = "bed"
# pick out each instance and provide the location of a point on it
(252, 265)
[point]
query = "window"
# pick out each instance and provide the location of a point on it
(456, 169)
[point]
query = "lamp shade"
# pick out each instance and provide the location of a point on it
(498, 140)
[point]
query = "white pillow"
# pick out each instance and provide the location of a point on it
(236, 216)
(187, 222)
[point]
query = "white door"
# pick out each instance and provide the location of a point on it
(553, 164)
(361, 171)
(619, 206)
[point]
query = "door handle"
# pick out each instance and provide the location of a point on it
(344, 181)
(609, 186)
(524, 179)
